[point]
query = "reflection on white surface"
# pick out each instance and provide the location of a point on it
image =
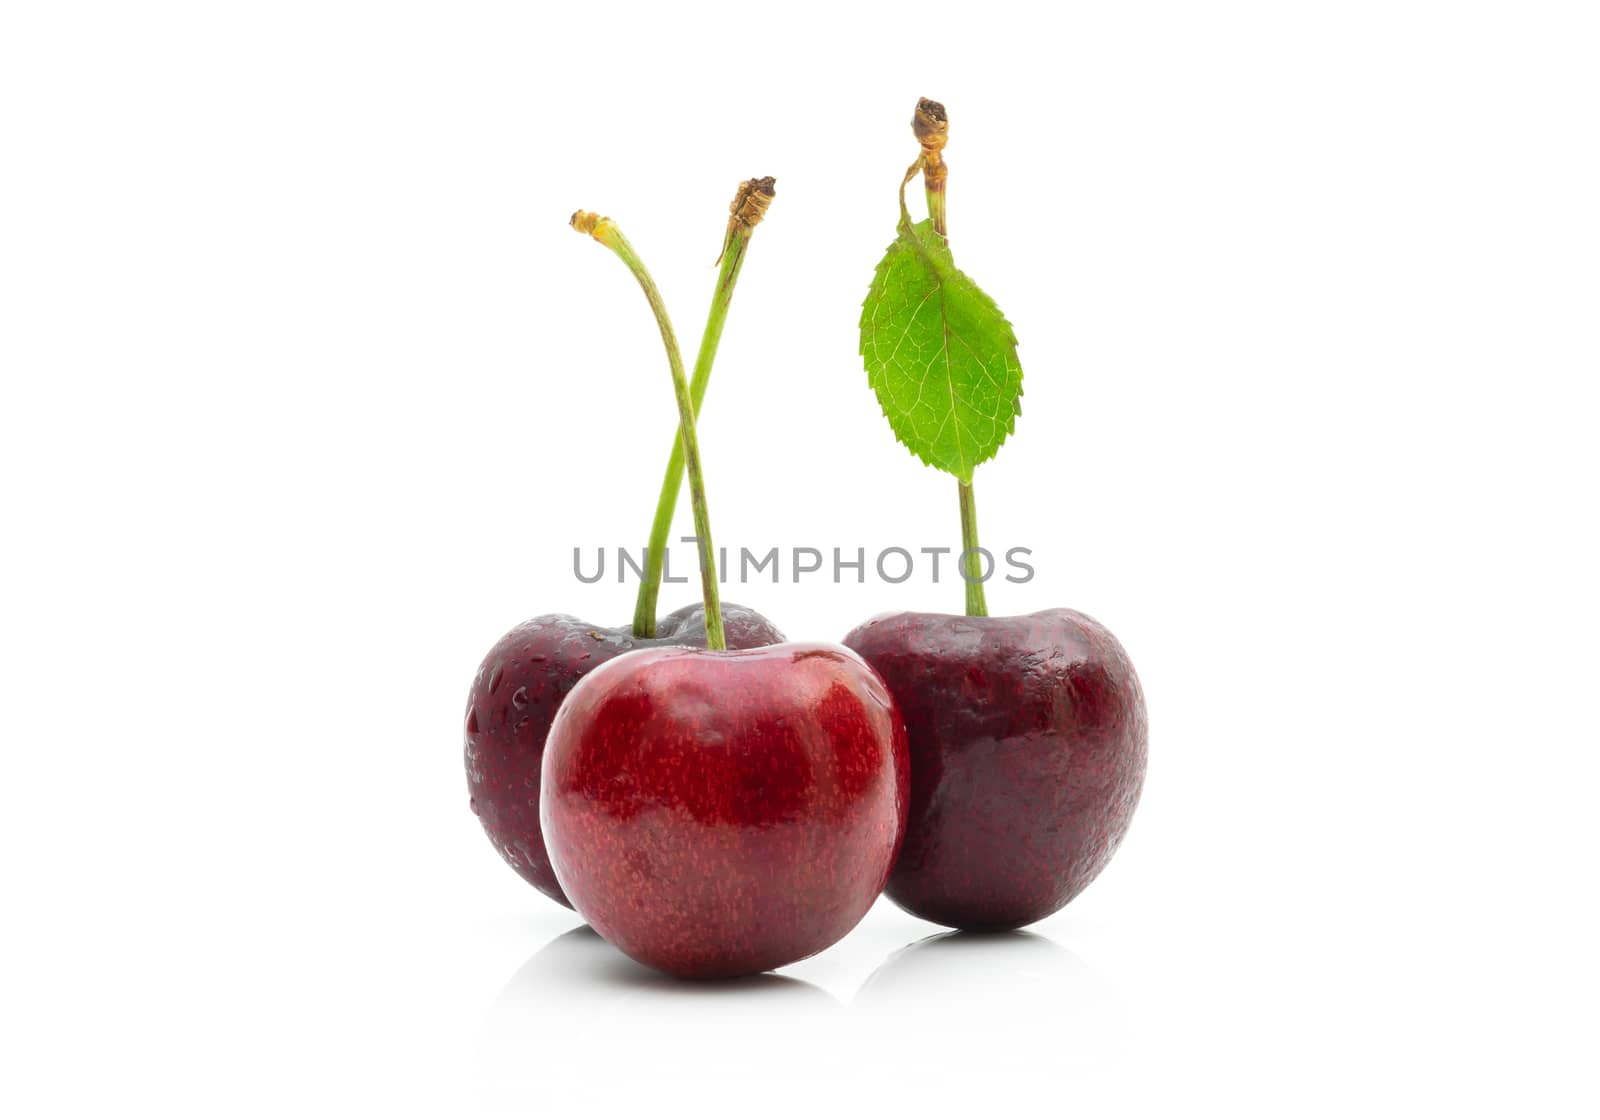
(580, 1014)
(991, 1002)
(581, 1017)
(580, 967)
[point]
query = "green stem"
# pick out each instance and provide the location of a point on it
(605, 231)
(972, 568)
(748, 207)
(931, 125)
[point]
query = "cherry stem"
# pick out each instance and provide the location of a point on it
(931, 126)
(971, 558)
(605, 231)
(744, 214)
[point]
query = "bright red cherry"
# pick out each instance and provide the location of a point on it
(716, 814)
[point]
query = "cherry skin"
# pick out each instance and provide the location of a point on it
(515, 695)
(1028, 743)
(717, 814)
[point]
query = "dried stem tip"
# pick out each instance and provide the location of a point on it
(930, 124)
(749, 206)
(586, 222)
(931, 127)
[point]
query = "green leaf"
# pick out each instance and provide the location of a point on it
(939, 354)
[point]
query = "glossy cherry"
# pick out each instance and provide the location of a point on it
(717, 814)
(514, 698)
(1028, 743)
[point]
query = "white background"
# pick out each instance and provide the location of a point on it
(309, 392)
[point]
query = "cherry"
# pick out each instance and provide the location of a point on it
(721, 813)
(1028, 744)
